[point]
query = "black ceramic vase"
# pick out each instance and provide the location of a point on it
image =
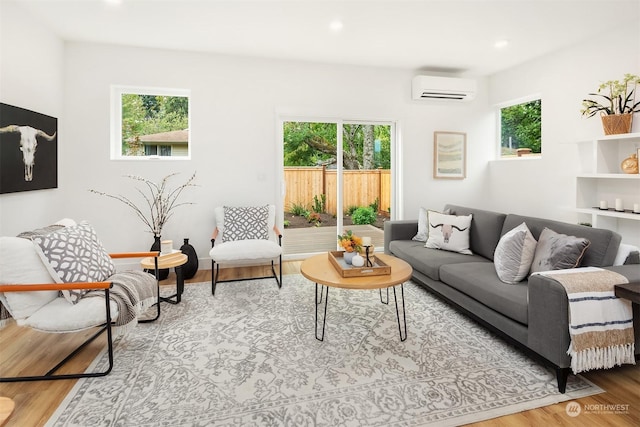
(191, 267)
(163, 273)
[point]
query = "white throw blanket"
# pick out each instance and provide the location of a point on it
(600, 324)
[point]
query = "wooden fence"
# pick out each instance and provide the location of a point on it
(361, 187)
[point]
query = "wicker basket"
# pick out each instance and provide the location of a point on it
(615, 124)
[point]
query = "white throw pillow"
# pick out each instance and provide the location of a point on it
(449, 232)
(514, 254)
(20, 264)
(423, 225)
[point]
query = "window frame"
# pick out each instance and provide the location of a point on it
(116, 120)
(511, 103)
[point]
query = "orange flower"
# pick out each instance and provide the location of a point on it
(350, 242)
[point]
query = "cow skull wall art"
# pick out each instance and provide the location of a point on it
(28, 144)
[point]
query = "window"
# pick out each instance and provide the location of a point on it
(521, 128)
(150, 123)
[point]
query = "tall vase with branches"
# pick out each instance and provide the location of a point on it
(160, 201)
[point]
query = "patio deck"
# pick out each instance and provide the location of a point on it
(300, 243)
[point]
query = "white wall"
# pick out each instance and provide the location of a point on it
(236, 103)
(31, 76)
(235, 106)
(546, 187)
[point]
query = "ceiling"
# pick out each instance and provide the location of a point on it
(453, 36)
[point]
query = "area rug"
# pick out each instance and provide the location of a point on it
(249, 357)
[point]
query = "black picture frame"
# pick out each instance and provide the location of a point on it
(19, 129)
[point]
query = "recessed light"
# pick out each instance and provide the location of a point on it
(500, 44)
(336, 25)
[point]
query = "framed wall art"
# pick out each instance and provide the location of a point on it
(28, 150)
(449, 155)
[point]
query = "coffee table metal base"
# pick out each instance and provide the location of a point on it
(324, 296)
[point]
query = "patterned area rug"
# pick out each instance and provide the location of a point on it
(248, 356)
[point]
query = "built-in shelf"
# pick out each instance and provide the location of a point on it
(602, 179)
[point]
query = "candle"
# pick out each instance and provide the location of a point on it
(166, 247)
(366, 241)
(603, 204)
(619, 207)
(636, 207)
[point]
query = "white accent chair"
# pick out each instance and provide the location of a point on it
(245, 240)
(33, 296)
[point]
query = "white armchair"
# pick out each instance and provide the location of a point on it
(60, 280)
(245, 236)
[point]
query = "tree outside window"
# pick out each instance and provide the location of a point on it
(521, 129)
(149, 122)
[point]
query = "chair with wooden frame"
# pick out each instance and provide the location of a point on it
(43, 298)
(247, 241)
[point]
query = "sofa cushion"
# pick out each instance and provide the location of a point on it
(245, 250)
(600, 253)
(59, 316)
(449, 232)
(480, 281)
(20, 264)
(514, 254)
(486, 229)
(428, 261)
(556, 251)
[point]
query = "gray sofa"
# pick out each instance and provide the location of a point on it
(531, 313)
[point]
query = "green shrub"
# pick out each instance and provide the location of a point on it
(364, 215)
(319, 204)
(375, 205)
(351, 210)
(298, 210)
(286, 223)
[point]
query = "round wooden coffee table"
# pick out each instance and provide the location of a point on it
(320, 270)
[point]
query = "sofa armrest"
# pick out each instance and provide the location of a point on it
(548, 317)
(399, 230)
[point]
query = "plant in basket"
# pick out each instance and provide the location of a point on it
(616, 104)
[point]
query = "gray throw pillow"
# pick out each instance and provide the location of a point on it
(557, 251)
(74, 254)
(514, 254)
(243, 223)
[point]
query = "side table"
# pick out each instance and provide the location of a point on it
(175, 260)
(630, 291)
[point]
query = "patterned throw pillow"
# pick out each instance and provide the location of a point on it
(242, 223)
(557, 251)
(514, 254)
(74, 254)
(449, 232)
(423, 225)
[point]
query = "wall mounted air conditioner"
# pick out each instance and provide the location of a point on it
(443, 88)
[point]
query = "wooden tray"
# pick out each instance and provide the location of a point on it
(337, 260)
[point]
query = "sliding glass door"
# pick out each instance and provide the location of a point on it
(336, 175)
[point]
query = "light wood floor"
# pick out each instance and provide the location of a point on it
(22, 348)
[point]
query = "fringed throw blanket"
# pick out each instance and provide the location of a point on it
(600, 324)
(133, 292)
